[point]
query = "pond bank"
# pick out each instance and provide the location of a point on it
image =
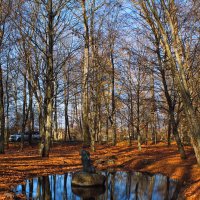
(16, 166)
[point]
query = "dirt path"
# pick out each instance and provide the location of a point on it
(16, 166)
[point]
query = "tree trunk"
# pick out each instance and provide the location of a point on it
(100, 121)
(7, 133)
(55, 131)
(2, 117)
(107, 129)
(94, 86)
(66, 102)
(41, 129)
(113, 114)
(131, 127)
(138, 112)
(169, 132)
(153, 111)
(16, 109)
(85, 101)
(146, 132)
(49, 93)
(24, 114)
(138, 127)
(177, 137)
(31, 112)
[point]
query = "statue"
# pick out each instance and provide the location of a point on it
(86, 162)
(88, 176)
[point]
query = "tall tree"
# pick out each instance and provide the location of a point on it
(49, 90)
(85, 85)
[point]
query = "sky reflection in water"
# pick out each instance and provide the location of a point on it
(119, 186)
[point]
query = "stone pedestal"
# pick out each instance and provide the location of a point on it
(86, 179)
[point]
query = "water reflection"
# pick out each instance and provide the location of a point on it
(88, 192)
(118, 186)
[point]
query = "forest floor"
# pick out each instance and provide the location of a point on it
(16, 166)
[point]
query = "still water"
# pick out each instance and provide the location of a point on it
(118, 186)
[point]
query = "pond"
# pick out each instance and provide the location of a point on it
(119, 186)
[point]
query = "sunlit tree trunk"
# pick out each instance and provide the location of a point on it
(49, 92)
(85, 101)
(94, 85)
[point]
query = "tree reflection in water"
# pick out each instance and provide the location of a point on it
(118, 186)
